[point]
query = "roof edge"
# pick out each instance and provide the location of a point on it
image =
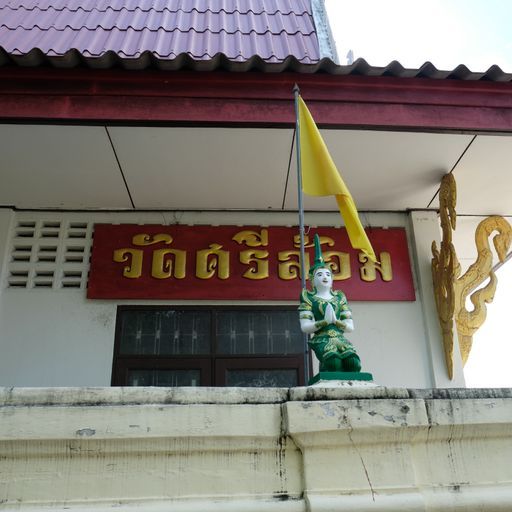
(220, 62)
(326, 41)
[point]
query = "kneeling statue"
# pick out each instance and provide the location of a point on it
(325, 314)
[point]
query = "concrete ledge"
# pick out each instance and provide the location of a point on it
(247, 449)
(354, 392)
(144, 421)
(213, 504)
(140, 395)
(193, 395)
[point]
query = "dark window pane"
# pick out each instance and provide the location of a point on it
(275, 378)
(192, 335)
(258, 332)
(168, 332)
(164, 378)
(174, 347)
(129, 334)
(146, 332)
(232, 337)
(286, 335)
(165, 332)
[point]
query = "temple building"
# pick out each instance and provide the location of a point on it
(151, 355)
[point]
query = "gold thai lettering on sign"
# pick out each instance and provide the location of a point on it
(168, 263)
(289, 261)
(162, 264)
(289, 264)
(144, 239)
(339, 262)
(209, 261)
(260, 268)
(324, 240)
(134, 269)
(252, 238)
(256, 259)
(162, 259)
(369, 269)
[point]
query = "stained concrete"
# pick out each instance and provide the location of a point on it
(247, 449)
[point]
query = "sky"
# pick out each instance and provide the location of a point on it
(446, 33)
(477, 33)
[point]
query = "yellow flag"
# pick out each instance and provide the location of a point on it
(321, 178)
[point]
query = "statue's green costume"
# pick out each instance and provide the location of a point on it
(333, 350)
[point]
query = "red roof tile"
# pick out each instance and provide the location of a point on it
(238, 35)
(273, 30)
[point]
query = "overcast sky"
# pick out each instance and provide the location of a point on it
(477, 33)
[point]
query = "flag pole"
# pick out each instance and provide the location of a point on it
(302, 258)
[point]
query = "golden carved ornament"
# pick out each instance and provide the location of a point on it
(467, 321)
(444, 263)
(450, 288)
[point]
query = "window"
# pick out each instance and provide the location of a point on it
(213, 346)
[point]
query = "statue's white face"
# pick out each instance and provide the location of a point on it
(322, 279)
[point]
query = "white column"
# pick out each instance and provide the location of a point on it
(425, 229)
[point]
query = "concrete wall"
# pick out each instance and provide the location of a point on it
(233, 449)
(56, 337)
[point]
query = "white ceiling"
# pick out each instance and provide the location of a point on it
(75, 167)
(60, 167)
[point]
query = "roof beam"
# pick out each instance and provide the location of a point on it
(51, 95)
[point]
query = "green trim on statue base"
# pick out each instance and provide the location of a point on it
(340, 376)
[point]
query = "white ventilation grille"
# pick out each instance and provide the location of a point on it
(50, 254)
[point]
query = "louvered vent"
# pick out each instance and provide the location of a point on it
(50, 254)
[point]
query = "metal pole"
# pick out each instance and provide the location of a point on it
(302, 257)
(296, 92)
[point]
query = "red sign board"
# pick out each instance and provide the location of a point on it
(241, 263)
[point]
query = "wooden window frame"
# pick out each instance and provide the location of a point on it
(212, 366)
(223, 364)
(126, 364)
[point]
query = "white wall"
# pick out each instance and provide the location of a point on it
(57, 337)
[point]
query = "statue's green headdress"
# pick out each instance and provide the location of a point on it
(319, 260)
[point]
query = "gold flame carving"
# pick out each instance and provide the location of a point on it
(450, 288)
(468, 322)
